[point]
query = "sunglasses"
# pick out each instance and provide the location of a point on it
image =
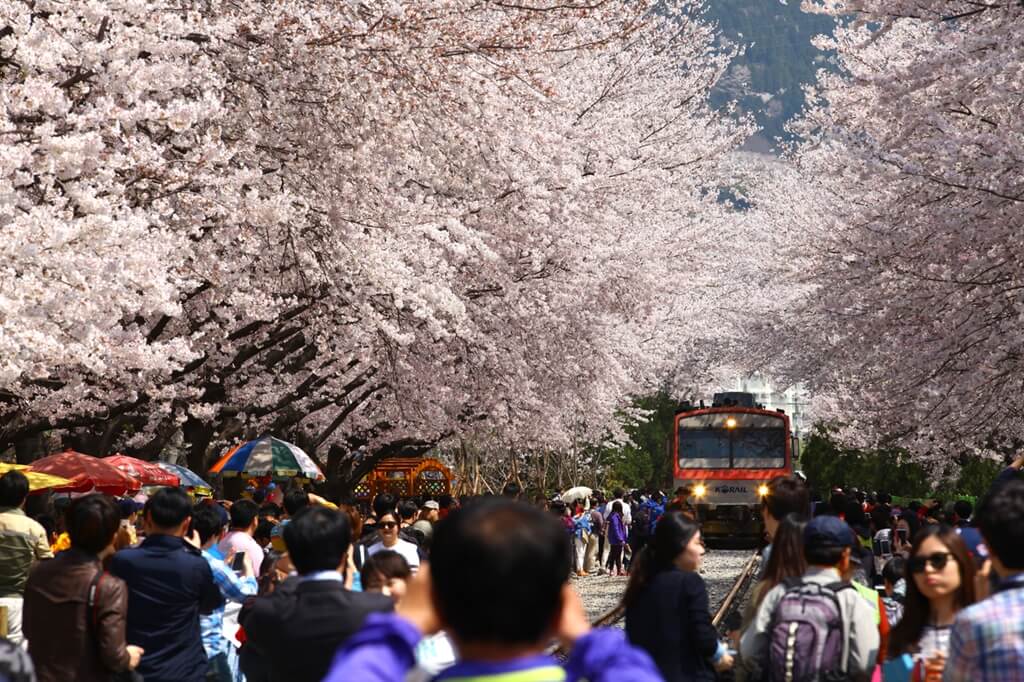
(388, 524)
(938, 561)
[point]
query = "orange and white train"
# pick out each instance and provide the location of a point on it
(726, 454)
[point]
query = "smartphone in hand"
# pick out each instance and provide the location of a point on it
(238, 563)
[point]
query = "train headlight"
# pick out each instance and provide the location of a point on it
(762, 490)
(700, 490)
(730, 423)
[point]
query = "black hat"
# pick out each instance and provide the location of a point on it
(828, 531)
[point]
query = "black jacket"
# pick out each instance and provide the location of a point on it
(169, 585)
(292, 634)
(671, 621)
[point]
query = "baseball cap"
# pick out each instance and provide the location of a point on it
(975, 544)
(431, 504)
(828, 531)
(128, 506)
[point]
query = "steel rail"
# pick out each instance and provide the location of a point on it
(738, 589)
(618, 613)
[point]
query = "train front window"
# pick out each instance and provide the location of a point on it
(732, 441)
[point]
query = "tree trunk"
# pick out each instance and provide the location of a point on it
(29, 448)
(197, 437)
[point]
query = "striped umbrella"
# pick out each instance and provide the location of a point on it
(186, 477)
(267, 457)
(36, 479)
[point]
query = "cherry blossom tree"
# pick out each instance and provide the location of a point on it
(367, 227)
(914, 157)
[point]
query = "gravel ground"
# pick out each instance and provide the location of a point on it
(721, 567)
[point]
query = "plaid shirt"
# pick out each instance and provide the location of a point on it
(234, 589)
(987, 644)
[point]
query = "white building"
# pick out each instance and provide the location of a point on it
(793, 400)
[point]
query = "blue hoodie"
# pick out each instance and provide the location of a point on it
(384, 651)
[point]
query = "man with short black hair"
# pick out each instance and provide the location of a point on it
(407, 510)
(619, 495)
(292, 633)
(245, 516)
(22, 542)
(512, 490)
(827, 548)
(502, 609)
(384, 502)
(963, 510)
(295, 500)
(169, 585)
(987, 642)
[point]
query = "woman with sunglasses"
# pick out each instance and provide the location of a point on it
(387, 526)
(940, 583)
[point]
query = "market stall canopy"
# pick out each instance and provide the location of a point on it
(146, 473)
(36, 479)
(267, 456)
(87, 473)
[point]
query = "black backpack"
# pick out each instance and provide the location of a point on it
(641, 526)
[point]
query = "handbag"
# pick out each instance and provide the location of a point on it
(94, 585)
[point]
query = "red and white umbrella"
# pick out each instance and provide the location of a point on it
(87, 473)
(146, 473)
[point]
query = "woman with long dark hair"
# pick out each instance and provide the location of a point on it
(940, 583)
(666, 604)
(785, 561)
(616, 539)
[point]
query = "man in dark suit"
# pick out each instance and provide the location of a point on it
(293, 633)
(169, 585)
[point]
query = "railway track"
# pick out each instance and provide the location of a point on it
(732, 599)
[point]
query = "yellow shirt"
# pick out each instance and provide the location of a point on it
(63, 542)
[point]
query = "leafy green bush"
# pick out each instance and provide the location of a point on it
(830, 464)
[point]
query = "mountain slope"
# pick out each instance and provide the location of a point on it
(778, 59)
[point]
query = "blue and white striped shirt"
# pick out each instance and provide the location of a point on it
(234, 589)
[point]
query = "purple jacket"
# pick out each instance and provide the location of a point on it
(616, 530)
(383, 651)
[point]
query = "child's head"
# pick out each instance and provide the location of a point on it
(893, 571)
(617, 508)
(498, 568)
(387, 572)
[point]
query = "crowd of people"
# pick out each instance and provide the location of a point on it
(858, 588)
(607, 532)
(289, 586)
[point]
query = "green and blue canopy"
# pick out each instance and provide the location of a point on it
(267, 456)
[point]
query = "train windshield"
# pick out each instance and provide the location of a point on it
(732, 441)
